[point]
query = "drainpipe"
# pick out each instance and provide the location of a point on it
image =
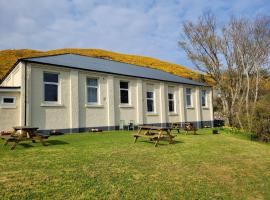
(25, 94)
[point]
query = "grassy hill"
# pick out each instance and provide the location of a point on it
(9, 57)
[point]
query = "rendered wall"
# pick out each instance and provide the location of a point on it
(10, 117)
(15, 77)
(49, 116)
(74, 112)
(191, 112)
(125, 112)
(93, 115)
(207, 111)
(174, 116)
(152, 118)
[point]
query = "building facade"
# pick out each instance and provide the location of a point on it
(73, 93)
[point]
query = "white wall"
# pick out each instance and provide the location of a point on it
(95, 115)
(74, 112)
(10, 116)
(191, 112)
(207, 114)
(45, 116)
(122, 111)
(174, 116)
(14, 78)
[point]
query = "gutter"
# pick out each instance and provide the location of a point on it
(25, 94)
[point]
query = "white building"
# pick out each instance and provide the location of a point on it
(72, 93)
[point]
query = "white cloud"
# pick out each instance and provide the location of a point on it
(149, 28)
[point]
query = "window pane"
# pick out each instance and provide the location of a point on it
(170, 96)
(149, 95)
(48, 77)
(92, 82)
(171, 106)
(123, 85)
(51, 92)
(124, 96)
(188, 91)
(188, 100)
(203, 98)
(92, 95)
(203, 101)
(150, 105)
(8, 100)
(203, 92)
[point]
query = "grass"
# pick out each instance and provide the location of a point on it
(109, 166)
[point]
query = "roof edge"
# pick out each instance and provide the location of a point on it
(66, 66)
(9, 71)
(25, 59)
(59, 54)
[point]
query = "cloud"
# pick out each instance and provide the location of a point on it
(149, 28)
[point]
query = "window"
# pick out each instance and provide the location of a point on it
(150, 101)
(203, 98)
(8, 101)
(188, 97)
(92, 90)
(51, 83)
(124, 99)
(171, 102)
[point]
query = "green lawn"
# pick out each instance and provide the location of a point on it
(110, 166)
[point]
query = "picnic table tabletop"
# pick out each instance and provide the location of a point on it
(26, 128)
(154, 127)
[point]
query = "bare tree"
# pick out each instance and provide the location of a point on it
(233, 55)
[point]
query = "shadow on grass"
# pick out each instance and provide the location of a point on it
(161, 143)
(56, 142)
(47, 143)
(26, 145)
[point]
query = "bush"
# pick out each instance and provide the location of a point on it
(261, 118)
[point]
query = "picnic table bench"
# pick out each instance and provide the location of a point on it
(154, 133)
(190, 127)
(187, 127)
(24, 133)
(176, 126)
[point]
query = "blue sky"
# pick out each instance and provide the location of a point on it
(143, 27)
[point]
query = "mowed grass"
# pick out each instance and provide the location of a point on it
(110, 166)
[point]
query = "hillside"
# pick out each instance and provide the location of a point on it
(9, 57)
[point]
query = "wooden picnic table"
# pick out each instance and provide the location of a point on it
(186, 126)
(23, 133)
(28, 131)
(154, 133)
(176, 126)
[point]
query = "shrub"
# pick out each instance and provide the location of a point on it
(261, 118)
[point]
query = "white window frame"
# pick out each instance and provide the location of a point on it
(153, 99)
(98, 91)
(191, 98)
(129, 103)
(7, 105)
(52, 83)
(204, 93)
(173, 101)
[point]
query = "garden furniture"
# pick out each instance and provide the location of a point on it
(154, 133)
(190, 127)
(24, 133)
(176, 126)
